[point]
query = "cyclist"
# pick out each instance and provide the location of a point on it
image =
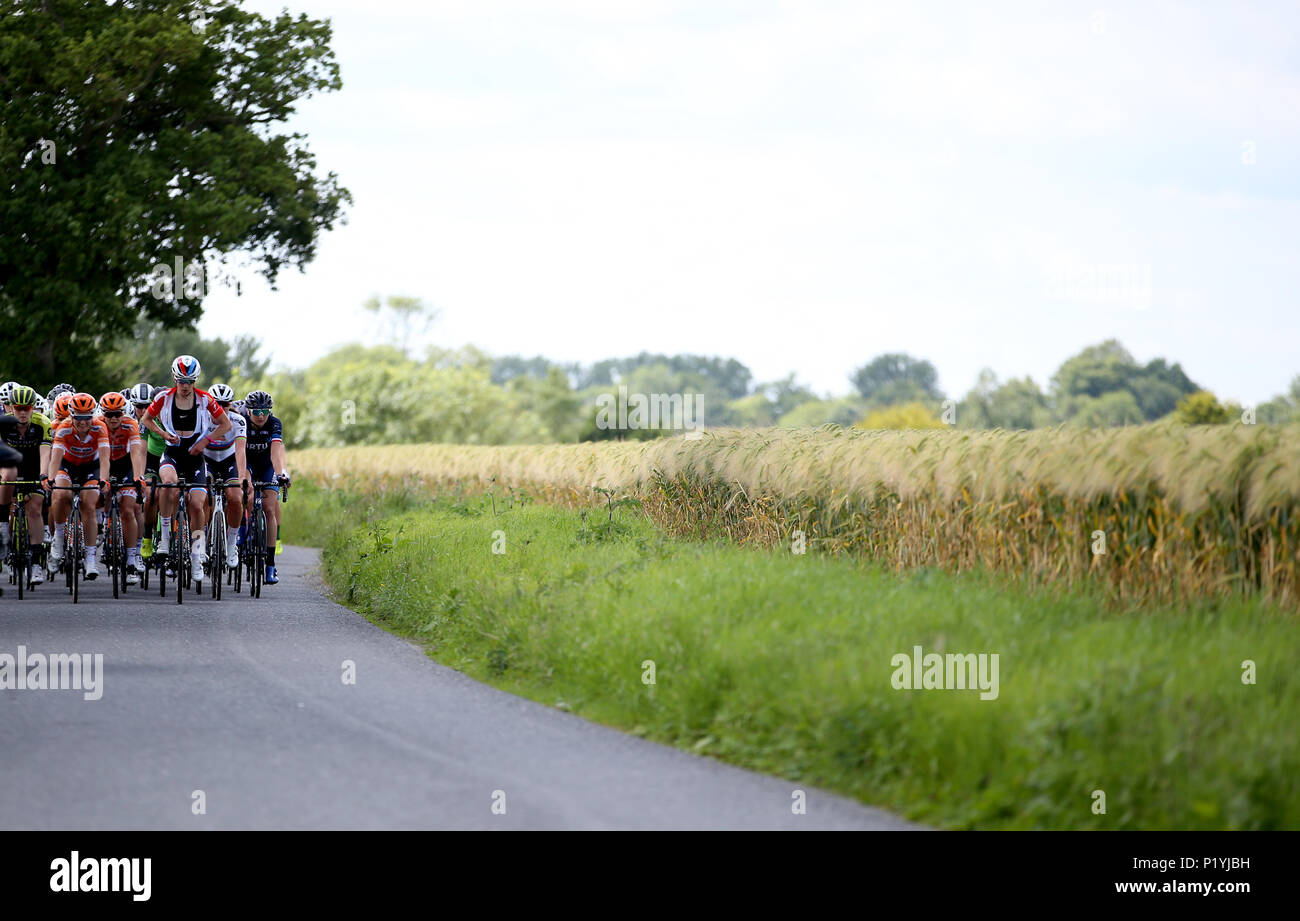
(141, 396)
(80, 455)
(58, 422)
(226, 461)
(191, 420)
(29, 433)
(266, 462)
(6, 391)
(126, 464)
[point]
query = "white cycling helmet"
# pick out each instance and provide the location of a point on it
(222, 393)
(186, 368)
(6, 389)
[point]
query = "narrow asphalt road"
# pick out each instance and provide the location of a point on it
(235, 714)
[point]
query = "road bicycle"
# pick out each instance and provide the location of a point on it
(19, 559)
(217, 569)
(177, 560)
(252, 554)
(73, 564)
(115, 543)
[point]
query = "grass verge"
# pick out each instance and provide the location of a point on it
(783, 663)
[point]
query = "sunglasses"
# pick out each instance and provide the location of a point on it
(112, 415)
(22, 407)
(186, 380)
(81, 418)
(259, 412)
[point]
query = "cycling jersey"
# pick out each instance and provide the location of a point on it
(28, 444)
(257, 450)
(222, 450)
(38, 432)
(122, 439)
(258, 445)
(206, 413)
(79, 450)
(154, 444)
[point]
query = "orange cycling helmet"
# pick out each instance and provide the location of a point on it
(61, 405)
(112, 402)
(81, 404)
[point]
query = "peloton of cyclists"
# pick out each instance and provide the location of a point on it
(139, 436)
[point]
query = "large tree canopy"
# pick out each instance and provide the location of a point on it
(135, 134)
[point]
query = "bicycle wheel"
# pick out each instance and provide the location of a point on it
(259, 552)
(181, 548)
(19, 532)
(217, 548)
(112, 545)
(74, 558)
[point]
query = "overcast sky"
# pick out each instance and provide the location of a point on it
(805, 185)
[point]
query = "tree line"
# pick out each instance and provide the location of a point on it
(384, 394)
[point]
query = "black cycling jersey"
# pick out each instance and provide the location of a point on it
(257, 446)
(29, 443)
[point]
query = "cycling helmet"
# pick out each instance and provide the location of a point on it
(5, 390)
(112, 402)
(58, 389)
(186, 368)
(21, 396)
(239, 407)
(222, 393)
(258, 399)
(81, 405)
(141, 394)
(61, 405)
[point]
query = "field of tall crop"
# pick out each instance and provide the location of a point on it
(1157, 512)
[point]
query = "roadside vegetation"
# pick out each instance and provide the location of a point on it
(782, 662)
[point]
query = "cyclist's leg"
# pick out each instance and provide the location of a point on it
(166, 501)
(90, 521)
(197, 499)
(6, 500)
(35, 534)
(60, 505)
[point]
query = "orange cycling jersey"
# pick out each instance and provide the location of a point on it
(78, 450)
(122, 439)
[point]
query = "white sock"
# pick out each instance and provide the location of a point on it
(90, 555)
(58, 533)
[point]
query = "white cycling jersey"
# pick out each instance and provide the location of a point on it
(224, 450)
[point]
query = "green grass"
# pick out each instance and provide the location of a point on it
(781, 663)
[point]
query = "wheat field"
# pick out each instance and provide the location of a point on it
(1182, 511)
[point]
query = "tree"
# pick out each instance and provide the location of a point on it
(138, 134)
(1283, 407)
(729, 378)
(403, 318)
(1116, 407)
(1016, 404)
(1107, 368)
(841, 411)
(1202, 408)
(897, 378)
(148, 353)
